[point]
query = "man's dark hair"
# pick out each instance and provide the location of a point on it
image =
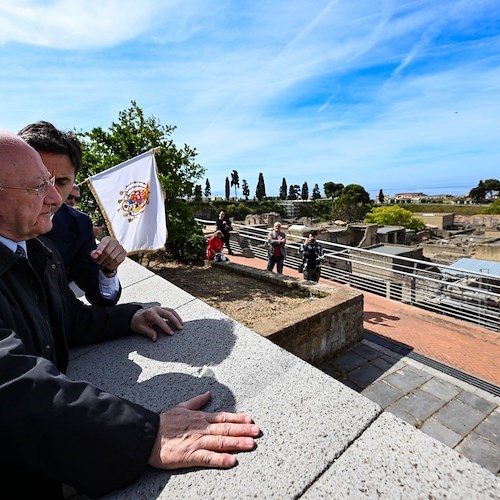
(43, 136)
(313, 232)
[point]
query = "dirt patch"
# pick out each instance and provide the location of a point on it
(244, 299)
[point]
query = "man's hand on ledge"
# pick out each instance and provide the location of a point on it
(109, 254)
(149, 322)
(188, 437)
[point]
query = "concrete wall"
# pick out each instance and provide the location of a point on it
(331, 320)
(439, 220)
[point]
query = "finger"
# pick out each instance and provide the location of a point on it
(170, 315)
(154, 320)
(222, 417)
(205, 458)
(225, 443)
(239, 429)
(147, 331)
(197, 402)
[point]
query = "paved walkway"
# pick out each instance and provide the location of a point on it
(451, 410)
(468, 348)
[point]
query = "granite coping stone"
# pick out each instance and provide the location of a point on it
(313, 426)
(394, 460)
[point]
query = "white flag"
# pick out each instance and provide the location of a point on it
(130, 198)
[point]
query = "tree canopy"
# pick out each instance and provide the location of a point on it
(305, 191)
(283, 189)
(132, 135)
(394, 215)
(485, 190)
(316, 194)
(351, 204)
(235, 181)
(245, 189)
(494, 208)
(332, 190)
(260, 191)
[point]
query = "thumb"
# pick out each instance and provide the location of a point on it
(197, 402)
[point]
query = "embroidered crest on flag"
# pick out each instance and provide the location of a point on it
(134, 199)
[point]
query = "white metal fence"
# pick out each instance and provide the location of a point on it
(469, 296)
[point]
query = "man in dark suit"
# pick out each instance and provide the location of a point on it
(92, 267)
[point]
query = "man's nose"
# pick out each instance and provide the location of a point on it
(53, 197)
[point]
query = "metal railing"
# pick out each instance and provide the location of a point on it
(467, 295)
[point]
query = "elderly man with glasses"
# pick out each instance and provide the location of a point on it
(55, 430)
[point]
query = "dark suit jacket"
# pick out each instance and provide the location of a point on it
(73, 235)
(54, 429)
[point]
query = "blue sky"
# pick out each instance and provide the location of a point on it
(399, 95)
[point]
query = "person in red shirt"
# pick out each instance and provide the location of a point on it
(214, 246)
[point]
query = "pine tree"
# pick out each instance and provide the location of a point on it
(197, 192)
(260, 191)
(228, 193)
(235, 181)
(208, 190)
(245, 189)
(293, 192)
(283, 189)
(305, 191)
(316, 195)
(381, 197)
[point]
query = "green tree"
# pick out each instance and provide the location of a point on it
(352, 204)
(260, 191)
(381, 197)
(178, 171)
(478, 193)
(394, 215)
(492, 187)
(245, 189)
(332, 190)
(283, 189)
(228, 189)
(305, 191)
(494, 208)
(316, 194)
(294, 192)
(208, 190)
(197, 193)
(235, 181)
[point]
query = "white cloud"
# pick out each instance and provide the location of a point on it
(77, 24)
(314, 91)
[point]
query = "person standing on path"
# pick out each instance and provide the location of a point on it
(224, 224)
(276, 249)
(312, 255)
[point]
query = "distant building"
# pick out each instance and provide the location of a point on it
(292, 207)
(410, 197)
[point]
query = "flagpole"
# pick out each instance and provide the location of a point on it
(101, 208)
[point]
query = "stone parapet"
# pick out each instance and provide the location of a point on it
(330, 321)
(320, 439)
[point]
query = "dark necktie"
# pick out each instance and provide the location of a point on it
(20, 252)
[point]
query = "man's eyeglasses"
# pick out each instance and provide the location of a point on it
(40, 190)
(73, 197)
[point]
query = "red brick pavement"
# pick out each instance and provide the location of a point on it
(455, 343)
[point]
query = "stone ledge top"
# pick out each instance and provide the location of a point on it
(320, 438)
